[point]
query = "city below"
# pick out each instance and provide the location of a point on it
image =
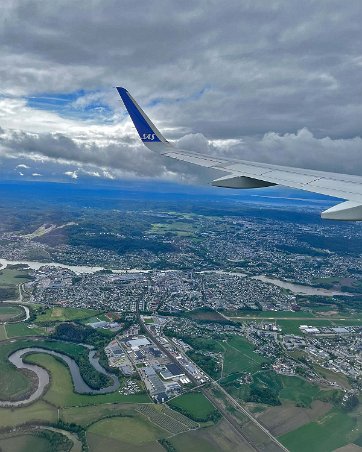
(210, 322)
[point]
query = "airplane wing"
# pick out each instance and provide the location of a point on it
(246, 174)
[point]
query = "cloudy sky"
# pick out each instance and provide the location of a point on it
(272, 81)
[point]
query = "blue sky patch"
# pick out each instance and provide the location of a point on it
(64, 104)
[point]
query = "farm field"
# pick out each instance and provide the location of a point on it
(281, 389)
(12, 382)
(333, 430)
(24, 442)
(99, 443)
(9, 312)
(179, 228)
(286, 418)
(58, 314)
(90, 414)
(299, 391)
(206, 314)
(3, 335)
(338, 377)
(239, 356)
(24, 329)
(38, 411)
(164, 417)
(129, 432)
(194, 405)
(61, 394)
(219, 437)
(13, 276)
(268, 314)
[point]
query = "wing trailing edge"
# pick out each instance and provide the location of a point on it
(241, 174)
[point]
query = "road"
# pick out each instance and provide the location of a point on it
(237, 405)
(211, 397)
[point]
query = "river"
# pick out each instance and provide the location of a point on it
(293, 287)
(80, 386)
(299, 288)
(34, 265)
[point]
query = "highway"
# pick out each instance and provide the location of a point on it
(208, 393)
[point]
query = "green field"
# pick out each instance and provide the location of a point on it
(239, 356)
(216, 438)
(13, 276)
(335, 429)
(61, 393)
(24, 329)
(23, 443)
(178, 228)
(281, 388)
(300, 391)
(12, 382)
(90, 414)
(332, 376)
(10, 312)
(58, 314)
(194, 405)
(3, 334)
(135, 431)
(37, 412)
(269, 314)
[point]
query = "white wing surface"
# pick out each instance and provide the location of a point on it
(246, 174)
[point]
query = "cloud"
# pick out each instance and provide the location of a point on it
(272, 81)
(71, 174)
(22, 165)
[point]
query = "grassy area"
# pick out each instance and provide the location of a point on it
(270, 314)
(205, 314)
(13, 383)
(300, 391)
(10, 312)
(332, 376)
(178, 228)
(194, 405)
(215, 438)
(24, 329)
(37, 412)
(127, 430)
(335, 429)
(280, 387)
(3, 334)
(61, 393)
(327, 281)
(239, 356)
(13, 276)
(87, 415)
(58, 314)
(23, 443)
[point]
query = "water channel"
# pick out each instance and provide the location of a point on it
(80, 386)
(293, 287)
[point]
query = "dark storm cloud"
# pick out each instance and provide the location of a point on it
(285, 76)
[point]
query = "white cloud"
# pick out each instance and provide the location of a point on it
(71, 174)
(288, 94)
(22, 165)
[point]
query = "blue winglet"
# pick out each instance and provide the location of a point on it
(146, 130)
